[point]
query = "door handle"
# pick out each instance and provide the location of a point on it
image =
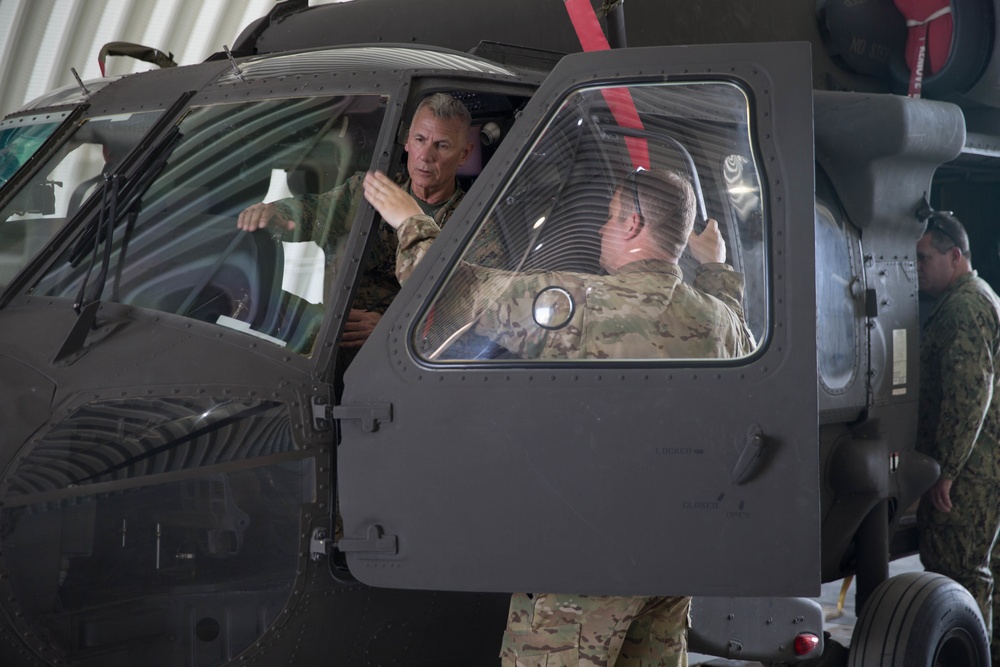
(751, 457)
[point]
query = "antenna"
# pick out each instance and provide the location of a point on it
(232, 61)
(79, 81)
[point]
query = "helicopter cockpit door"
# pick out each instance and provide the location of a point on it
(533, 415)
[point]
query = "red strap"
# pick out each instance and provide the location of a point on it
(928, 43)
(428, 322)
(588, 28)
(588, 31)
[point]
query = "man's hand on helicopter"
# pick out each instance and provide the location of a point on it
(359, 326)
(259, 216)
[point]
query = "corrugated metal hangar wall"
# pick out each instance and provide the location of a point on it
(40, 40)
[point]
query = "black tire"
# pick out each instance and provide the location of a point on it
(920, 619)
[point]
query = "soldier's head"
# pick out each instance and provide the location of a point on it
(650, 216)
(942, 254)
(436, 146)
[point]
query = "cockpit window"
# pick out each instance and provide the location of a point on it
(70, 174)
(20, 138)
(156, 531)
(176, 246)
(585, 253)
(837, 288)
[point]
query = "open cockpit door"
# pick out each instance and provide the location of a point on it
(522, 421)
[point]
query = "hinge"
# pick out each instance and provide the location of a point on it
(320, 545)
(376, 541)
(322, 413)
(370, 414)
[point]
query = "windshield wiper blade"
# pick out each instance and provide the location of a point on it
(87, 303)
(129, 190)
(107, 213)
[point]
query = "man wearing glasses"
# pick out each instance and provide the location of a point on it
(959, 516)
(642, 309)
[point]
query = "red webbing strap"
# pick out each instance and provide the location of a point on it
(588, 31)
(588, 28)
(928, 43)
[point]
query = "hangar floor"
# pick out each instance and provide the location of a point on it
(840, 627)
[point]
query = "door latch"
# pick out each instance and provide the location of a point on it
(370, 414)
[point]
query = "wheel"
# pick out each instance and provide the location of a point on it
(920, 619)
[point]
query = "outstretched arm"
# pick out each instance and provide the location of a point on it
(717, 278)
(259, 216)
(396, 206)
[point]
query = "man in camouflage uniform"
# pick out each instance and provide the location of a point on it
(642, 309)
(437, 145)
(959, 414)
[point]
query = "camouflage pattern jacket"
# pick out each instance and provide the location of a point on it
(644, 311)
(327, 219)
(959, 383)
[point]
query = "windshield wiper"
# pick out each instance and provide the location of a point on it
(101, 230)
(148, 170)
(107, 213)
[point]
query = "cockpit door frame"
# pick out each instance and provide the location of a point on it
(603, 477)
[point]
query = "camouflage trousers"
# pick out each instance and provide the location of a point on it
(549, 630)
(962, 544)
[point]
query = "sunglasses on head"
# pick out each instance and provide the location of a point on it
(933, 224)
(631, 178)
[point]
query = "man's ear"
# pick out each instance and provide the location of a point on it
(634, 226)
(955, 254)
(465, 154)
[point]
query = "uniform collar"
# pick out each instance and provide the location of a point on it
(961, 280)
(403, 181)
(651, 266)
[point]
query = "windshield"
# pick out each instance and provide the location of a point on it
(176, 246)
(70, 174)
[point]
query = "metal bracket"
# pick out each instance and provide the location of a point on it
(322, 413)
(370, 414)
(376, 541)
(320, 545)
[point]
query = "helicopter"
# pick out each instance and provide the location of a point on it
(191, 475)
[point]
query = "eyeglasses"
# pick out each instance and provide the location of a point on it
(933, 224)
(631, 178)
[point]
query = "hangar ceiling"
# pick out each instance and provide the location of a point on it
(40, 40)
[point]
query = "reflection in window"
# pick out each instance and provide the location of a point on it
(176, 246)
(744, 194)
(148, 531)
(20, 138)
(836, 335)
(70, 174)
(549, 224)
